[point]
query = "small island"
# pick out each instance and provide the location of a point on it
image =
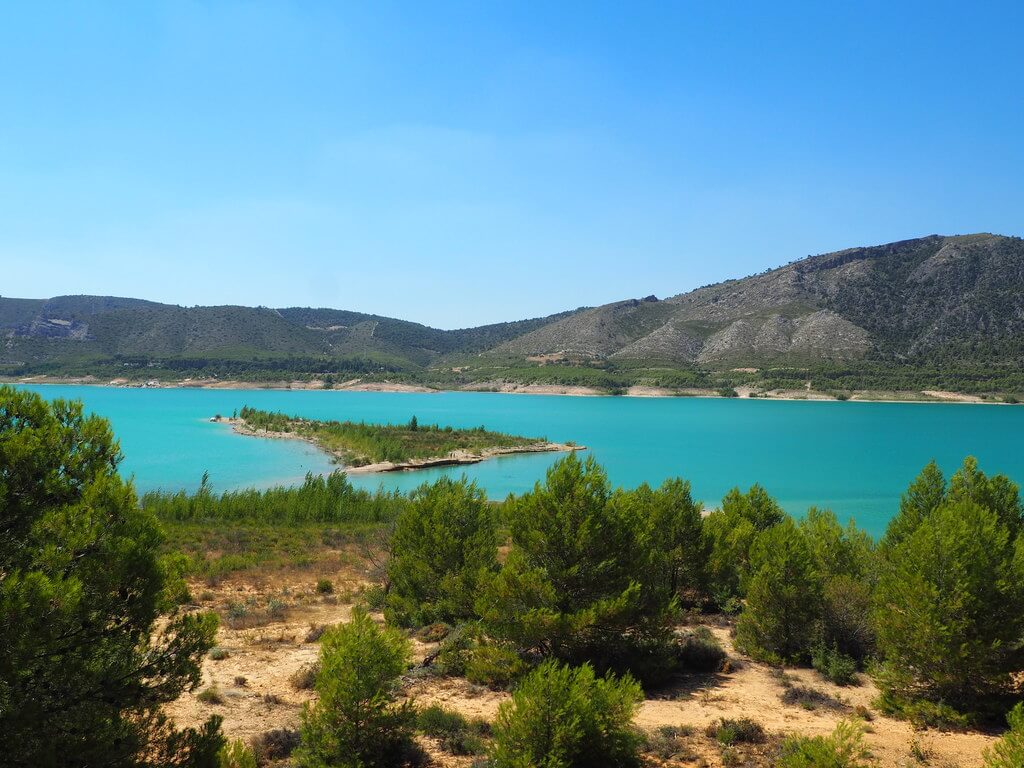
(363, 447)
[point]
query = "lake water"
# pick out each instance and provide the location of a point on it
(855, 458)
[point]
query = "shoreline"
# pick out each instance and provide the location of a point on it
(504, 388)
(453, 459)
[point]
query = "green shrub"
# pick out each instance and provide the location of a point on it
(565, 717)
(844, 748)
(495, 666)
(834, 665)
(732, 529)
(219, 654)
(742, 731)
(356, 721)
(453, 655)
(235, 754)
(434, 633)
(1008, 752)
(324, 586)
(923, 713)
(700, 651)
(456, 734)
(374, 597)
(211, 695)
(444, 542)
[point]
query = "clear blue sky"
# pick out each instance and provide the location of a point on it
(462, 163)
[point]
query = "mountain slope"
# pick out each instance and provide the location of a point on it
(936, 302)
(948, 298)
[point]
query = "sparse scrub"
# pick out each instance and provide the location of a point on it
(737, 731)
(277, 744)
(844, 748)
(700, 651)
(456, 734)
(304, 678)
(236, 754)
(210, 695)
(219, 654)
(809, 698)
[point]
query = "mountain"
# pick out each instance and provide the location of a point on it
(955, 299)
(935, 302)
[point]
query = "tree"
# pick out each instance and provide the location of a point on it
(576, 583)
(676, 535)
(783, 598)
(732, 530)
(84, 673)
(846, 565)
(444, 542)
(1008, 752)
(921, 498)
(949, 608)
(929, 491)
(356, 723)
(567, 717)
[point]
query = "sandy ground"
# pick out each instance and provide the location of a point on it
(258, 696)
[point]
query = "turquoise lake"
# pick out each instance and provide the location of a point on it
(854, 458)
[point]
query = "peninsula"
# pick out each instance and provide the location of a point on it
(363, 447)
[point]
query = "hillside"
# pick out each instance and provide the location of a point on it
(934, 306)
(952, 299)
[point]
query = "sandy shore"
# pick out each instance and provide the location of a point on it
(453, 459)
(510, 388)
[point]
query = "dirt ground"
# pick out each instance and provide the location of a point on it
(254, 682)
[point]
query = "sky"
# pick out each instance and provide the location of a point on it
(464, 163)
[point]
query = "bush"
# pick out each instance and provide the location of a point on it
(743, 731)
(565, 717)
(844, 748)
(324, 587)
(219, 654)
(834, 665)
(277, 744)
(456, 734)
(700, 651)
(444, 542)
(211, 695)
(434, 633)
(304, 678)
(1008, 752)
(236, 755)
(667, 743)
(455, 651)
(495, 666)
(809, 698)
(355, 721)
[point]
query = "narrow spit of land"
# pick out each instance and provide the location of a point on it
(363, 447)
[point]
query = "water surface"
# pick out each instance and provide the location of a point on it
(855, 458)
